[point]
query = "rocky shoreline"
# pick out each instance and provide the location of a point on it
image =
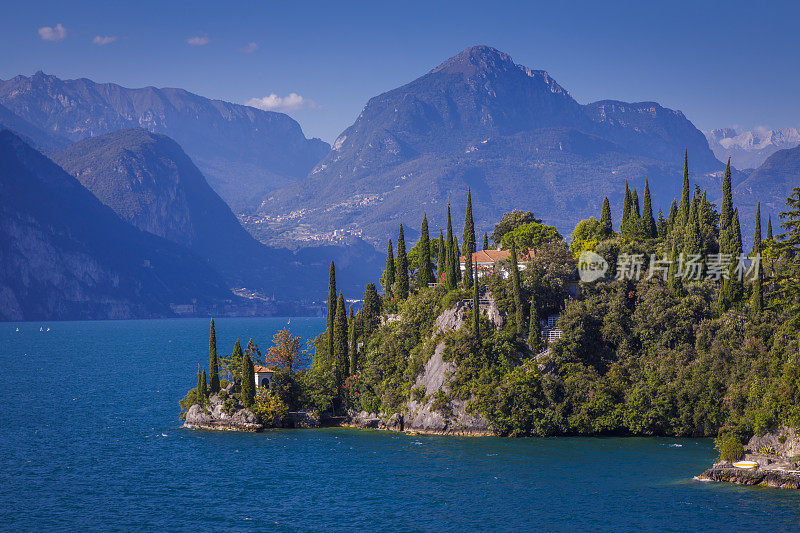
(779, 468)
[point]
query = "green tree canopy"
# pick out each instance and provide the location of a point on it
(530, 235)
(511, 221)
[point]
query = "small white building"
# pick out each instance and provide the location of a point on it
(263, 375)
(550, 331)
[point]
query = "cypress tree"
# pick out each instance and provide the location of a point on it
(606, 229)
(203, 379)
(214, 362)
(199, 383)
(389, 270)
(402, 266)
(649, 230)
(451, 280)
(661, 227)
(370, 313)
(757, 300)
(732, 288)
(467, 269)
(331, 306)
(238, 359)
(456, 260)
(425, 272)
(485, 241)
(635, 211)
(441, 256)
(468, 237)
(691, 240)
(249, 386)
(476, 316)
(769, 227)
(626, 211)
(683, 208)
(673, 214)
(517, 290)
(353, 342)
(534, 333)
(340, 356)
(726, 213)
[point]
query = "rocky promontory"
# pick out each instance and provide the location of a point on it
(778, 456)
(431, 410)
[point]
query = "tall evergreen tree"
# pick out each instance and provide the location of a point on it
(662, 227)
(467, 269)
(635, 210)
(476, 315)
(389, 271)
(757, 300)
(606, 229)
(692, 244)
(649, 230)
(237, 358)
(441, 256)
(456, 260)
(247, 377)
(726, 213)
(534, 331)
(203, 382)
(213, 361)
(468, 237)
(451, 257)
(769, 227)
(626, 211)
(733, 289)
(425, 271)
(370, 313)
(199, 382)
(331, 306)
(683, 208)
(516, 286)
(340, 355)
(402, 266)
(485, 241)
(353, 334)
(673, 214)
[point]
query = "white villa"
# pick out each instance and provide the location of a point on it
(263, 375)
(488, 261)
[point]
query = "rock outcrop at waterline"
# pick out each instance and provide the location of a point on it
(778, 456)
(433, 412)
(213, 416)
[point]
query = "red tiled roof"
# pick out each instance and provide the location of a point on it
(261, 369)
(493, 256)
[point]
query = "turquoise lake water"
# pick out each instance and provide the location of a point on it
(91, 441)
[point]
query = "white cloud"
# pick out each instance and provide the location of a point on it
(249, 48)
(273, 102)
(198, 40)
(59, 33)
(103, 40)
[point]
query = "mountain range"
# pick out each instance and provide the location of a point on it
(133, 214)
(750, 148)
(511, 133)
(67, 256)
(244, 152)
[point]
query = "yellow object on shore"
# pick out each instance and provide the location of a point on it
(746, 464)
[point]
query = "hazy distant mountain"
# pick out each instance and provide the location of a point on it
(750, 148)
(770, 184)
(513, 134)
(30, 133)
(148, 180)
(245, 152)
(67, 256)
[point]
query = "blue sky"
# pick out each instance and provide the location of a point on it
(721, 63)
